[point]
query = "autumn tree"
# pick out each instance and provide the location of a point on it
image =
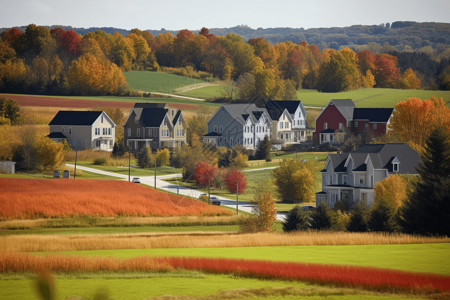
(414, 119)
(204, 173)
(235, 179)
(9, 111)
(409, 80)
(294, 180)
(265, 212)
(162, 157)
(392, 189)
(197, 124)
(427, 209)
(386, 71)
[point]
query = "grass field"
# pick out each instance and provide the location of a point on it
(157, 81)
(425, 258)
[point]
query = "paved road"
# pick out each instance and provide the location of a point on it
(181, 190)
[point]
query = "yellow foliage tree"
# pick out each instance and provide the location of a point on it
(50, 154)
(392, 189)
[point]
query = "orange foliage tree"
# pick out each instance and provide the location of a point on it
(414, 119)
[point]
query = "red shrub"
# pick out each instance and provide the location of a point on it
(234, 177)
(373, 278)
(204, 173)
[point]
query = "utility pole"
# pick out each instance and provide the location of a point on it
(237, 197)
(75, 171)
(209, 191)
(155, 172)
(129, 167)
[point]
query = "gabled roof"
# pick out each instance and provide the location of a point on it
(177, 116)
(373, 114)
(241, 112)
(275, 108)
(345, 107)
(152, 117)
(381, 156)
(76, 118)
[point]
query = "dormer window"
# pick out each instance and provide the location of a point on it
(102, 118)
(395, 167)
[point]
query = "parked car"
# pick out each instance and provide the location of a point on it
(136, 180)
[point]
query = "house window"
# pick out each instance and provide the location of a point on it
(231, 141)
(97, 143)
(104, 131)
(165, 122)
(374, 126)
(70, 130)
(138, 132)
(356, 124)
(366, 126)
(344, 179)
(129, 132)
(341, 126)
(102, 118)
(281, 125)
(109, 131)
(395, 167)
(215, 128)
(286, 125)
(325, 125)
(155, 132)
(63, 130)
(221, 128)
(362, 179)
(281, 136)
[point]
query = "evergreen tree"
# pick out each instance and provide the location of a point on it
(358, 220)
(143, 157)
(323, 217)
(428, 208)
(383, 216)
(297, 219)
(263, 149)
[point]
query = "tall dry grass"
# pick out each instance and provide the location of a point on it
(87, 155)
(37, 198)
(32, 243)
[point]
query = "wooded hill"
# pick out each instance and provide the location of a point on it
(400, 34)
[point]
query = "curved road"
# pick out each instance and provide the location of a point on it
(181, 190)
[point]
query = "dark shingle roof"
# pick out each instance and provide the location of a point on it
(239, 111)
(276, 107)
(74, 118)
(152, 117)
(372, 114)
(175, 119)
(213, 134)
(57, 135)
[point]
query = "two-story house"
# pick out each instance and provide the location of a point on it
(83, 129)
(341, 115)
(155, 125)
(351, 177)
(288, 122)
(233, 124)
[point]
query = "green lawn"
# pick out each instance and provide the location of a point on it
(376, 97)
(427, 258)
(122, 286)
(157, 81)
(122, 229)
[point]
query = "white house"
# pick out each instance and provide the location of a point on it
(84, 129)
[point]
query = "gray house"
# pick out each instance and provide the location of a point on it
(233, 124)
(83, 129)
(351, 177)
(154, 125)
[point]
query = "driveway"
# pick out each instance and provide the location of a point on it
(176, 189)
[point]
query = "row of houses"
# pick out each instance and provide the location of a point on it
(158, 126)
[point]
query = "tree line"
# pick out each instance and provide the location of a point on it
(58, 61)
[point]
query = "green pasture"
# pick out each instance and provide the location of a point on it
(426, 258)
(179, 285)
(157, 81)
(375, 97)
(119, 230)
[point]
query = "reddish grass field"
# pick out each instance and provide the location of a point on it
(361, 277)
(36, 198)
(29, 100)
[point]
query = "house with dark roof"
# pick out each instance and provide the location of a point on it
(155, 125)
(232, 124)
(288, 122)
(350, 178)
(341, 116)
(83, 129)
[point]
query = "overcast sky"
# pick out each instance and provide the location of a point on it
(195, 14)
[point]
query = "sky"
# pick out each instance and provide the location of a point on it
(195, 14)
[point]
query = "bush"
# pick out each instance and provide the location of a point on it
(358, 219)
(100, 161)
(297, 219)
(323, 217)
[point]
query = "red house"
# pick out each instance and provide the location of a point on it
(334, 119)
(340, 114)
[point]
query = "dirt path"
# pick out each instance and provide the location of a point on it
(191, 87)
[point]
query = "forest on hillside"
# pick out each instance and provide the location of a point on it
(56, 61)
